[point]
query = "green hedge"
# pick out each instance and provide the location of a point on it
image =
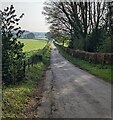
(96, 58)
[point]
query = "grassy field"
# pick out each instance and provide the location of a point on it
(103, 72)
(30, 44)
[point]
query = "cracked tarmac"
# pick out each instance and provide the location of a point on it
(73, 93)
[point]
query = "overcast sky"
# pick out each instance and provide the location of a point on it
(33, 20)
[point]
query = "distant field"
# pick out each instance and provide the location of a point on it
(30, 44)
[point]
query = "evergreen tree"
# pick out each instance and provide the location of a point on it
(12, 55)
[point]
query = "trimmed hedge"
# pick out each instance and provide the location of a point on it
(96, 58)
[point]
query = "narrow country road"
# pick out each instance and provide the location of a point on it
(73, 93)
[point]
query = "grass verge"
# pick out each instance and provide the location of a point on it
(16, 97)
(104, 72)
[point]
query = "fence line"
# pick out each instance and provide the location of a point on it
(15, 71)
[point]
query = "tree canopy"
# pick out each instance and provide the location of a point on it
(88, 23)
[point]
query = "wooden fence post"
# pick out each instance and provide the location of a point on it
(28, 65)
(14, 76)
(24, 68)
(32, 61)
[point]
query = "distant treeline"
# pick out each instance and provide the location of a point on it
(33, 35)
(28, 36)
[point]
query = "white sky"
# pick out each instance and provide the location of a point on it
(33, 19)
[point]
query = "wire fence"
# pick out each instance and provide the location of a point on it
(15, 72)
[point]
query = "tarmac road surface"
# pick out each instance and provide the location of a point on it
(73, 93)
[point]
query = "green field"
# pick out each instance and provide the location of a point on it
(30, 44)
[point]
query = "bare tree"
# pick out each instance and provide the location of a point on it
(79, 19)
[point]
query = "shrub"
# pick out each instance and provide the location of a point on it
(12, 55)
(92, 57)
(106, 45)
